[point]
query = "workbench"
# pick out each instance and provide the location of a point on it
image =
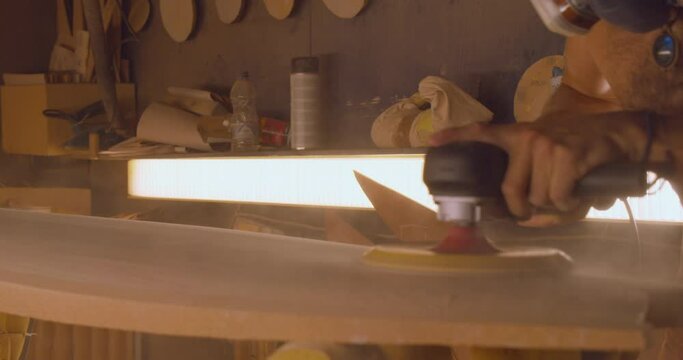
(205, 282)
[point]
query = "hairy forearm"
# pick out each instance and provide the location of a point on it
(628, 129)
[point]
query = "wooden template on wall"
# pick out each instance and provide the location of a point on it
(139, 14)
(229, 11)
(279, 9)
(179, 18)
(346, 9)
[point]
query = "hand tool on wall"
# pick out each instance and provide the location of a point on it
(465, 177)
(84, 122)
(103, 61)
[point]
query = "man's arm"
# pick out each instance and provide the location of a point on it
(585, 90)
(582, 127)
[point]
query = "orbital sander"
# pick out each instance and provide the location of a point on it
(465, 178)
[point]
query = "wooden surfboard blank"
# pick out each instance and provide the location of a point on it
(195, 281)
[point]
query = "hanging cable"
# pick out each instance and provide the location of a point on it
(639, 244)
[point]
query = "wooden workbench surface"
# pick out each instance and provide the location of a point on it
(194, 281)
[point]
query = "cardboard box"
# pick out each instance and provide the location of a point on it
(26, 131)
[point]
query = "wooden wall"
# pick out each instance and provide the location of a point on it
(371, 60)
(27, 33)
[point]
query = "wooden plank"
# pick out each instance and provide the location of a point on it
(114, 38)
(62, 348)
(5, 347)
(204, 282)
(81, 343)
(78, 17)
(60, 200)
(339, 230)
(414, 223)
(63, 28)
(42, 345)
(99, 343)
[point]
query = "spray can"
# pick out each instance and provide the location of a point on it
(306, 130)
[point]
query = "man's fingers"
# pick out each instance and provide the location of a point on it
(516, 183)
(541, 152)
(563, 179)
(547, 219)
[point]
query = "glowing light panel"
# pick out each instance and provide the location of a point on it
(325, 181)
(663, 205)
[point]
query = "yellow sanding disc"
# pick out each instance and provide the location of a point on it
(546, 260)
(537, 85)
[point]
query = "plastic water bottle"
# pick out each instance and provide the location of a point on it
(245, 121)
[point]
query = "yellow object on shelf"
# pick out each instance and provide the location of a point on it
(421, 129)
(26, 131)
(13, 331)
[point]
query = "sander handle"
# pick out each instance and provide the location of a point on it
(475, 169)
(618, 179)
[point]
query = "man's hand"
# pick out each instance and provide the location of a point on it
(548, 157)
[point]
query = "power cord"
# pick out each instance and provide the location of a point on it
(636, 232)
(650, 118)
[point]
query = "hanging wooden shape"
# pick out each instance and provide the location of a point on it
(346, 9)
(179, 18)
(279, 9)
(139, 14)
(229, 11)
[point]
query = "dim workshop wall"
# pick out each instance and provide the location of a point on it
(26, 38)
(370, 61)
(26, 35)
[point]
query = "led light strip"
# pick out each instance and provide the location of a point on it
(322, 181)
(663, 206)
